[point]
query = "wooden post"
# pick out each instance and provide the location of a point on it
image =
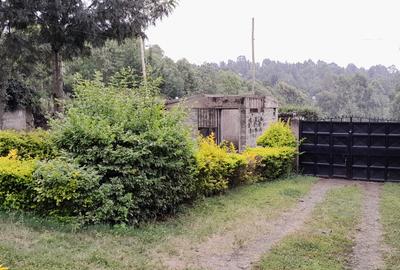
(253, 56)
(142, 56)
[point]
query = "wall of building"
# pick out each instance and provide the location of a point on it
(17, 120)
(241, 119)
(254, 123)
(230, 126)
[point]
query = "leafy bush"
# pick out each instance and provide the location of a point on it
(36, 144)
(270, 163)
(278, 134)
(218, 167)
(63, 188)
(16, 191)
(143, 153)
(304, 112)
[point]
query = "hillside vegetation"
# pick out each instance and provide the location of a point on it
(324, 87)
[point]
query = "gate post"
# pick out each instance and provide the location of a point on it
(295, 126)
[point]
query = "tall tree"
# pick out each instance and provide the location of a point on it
(67, 27)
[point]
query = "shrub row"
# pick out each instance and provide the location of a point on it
(16, 191)
(120, 157)
(220, 167)
(279, 134)
(270, 163)
(36, 144)
(142, 154)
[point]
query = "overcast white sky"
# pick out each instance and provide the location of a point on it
(363, 32)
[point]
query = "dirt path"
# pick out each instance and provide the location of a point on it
(230, 251)
(367, 253)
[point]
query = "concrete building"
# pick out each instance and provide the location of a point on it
(16, 120)
(239, 119)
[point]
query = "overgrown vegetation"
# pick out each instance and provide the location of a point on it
(67, 190)
(29, 145)
(278, 134)
(142, 153)
(327, 240)
(219, 167)
(390, 204)
(307, 88)
(303, 112)
(16, 182)
(270, 163)
(117, 156)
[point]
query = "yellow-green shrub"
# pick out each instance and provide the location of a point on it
(218, 167)
(35, 144)
(16, 191)
(65, 189)
(278, 134)
(270, 163)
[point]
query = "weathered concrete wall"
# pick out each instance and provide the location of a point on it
(253, 125)
(242, 118)
(191, 122)
(230, 126)
(17, 120)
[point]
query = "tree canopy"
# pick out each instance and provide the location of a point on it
(68, 28)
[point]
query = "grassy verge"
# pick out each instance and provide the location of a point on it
(390, 205)
(325, 242)
(34, 243)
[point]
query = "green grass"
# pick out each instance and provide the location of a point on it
(28, 242)
(325, 242)
(390, 213)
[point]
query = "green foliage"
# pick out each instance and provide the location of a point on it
(326, 240)
(290, 95)
(63, 188)
(270, 163)
(390, 218)
(68, 28)
(218, 167)
(278, 134)
(35, 144)
(142, 152)
(16, 191)
(304, 112)
(108, 59)
(395, 106)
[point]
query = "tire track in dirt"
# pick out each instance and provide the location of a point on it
(220, 251)
(367, 253)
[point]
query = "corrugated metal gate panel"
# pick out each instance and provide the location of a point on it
(354, 150)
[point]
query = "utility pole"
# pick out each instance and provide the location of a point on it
(253, 56)
(142, 56)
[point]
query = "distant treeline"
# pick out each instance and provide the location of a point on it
(324, 87)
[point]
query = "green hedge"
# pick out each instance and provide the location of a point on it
(143, 153)
(270, 163)
(304, 112)
(278, 134)
(35, 144)
(64, 189)
(16, 182)
(218, 167)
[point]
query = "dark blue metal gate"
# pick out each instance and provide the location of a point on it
(351, 148)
